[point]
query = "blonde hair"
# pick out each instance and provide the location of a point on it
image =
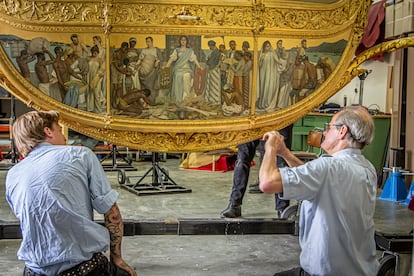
(28, 129)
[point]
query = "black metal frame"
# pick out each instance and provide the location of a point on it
(114, 166)
(161, 182)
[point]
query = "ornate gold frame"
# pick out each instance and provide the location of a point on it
(253, 18)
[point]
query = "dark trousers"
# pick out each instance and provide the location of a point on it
(297, 271)
(245, 155)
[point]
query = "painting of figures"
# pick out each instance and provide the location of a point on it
(174, 77)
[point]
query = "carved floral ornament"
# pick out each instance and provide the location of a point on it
(203, 119)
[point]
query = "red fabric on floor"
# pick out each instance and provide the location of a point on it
(225, 163)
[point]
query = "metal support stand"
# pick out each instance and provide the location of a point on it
(395, 189)
(362, 78)
(161, 182)
(114, 166)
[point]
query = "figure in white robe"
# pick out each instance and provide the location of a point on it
(149, 68)
(270, 68)
(94, 79)
(183, 71)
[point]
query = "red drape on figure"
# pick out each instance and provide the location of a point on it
(374, 32)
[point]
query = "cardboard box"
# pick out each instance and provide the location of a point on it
(408, 19)
(389, 21)
(398, 18)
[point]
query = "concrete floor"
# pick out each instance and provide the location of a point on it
(225, 254)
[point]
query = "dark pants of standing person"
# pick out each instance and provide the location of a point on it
(245, 155)
(297, 271)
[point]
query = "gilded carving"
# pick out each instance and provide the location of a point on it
(388, 46)
(106, 7)
(52, 11)
(165, 125)
(126, 13)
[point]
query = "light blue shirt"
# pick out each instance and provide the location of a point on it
(337, 214)
(53, 192)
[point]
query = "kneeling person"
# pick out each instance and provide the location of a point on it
(53, 192)
(338, 193)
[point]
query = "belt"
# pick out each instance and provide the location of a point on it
(28, 272)
(98, 260)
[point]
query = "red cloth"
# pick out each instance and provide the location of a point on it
(223, 164)
(411, 204)
(200, 79)
(374, 32)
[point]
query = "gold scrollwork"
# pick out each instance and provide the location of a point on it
(255, 20)
(56, 11)
(384, 47)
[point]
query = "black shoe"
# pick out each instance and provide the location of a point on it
(279, 214)
(254, 189)
(231, 212)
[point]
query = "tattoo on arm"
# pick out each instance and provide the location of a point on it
(115, 226)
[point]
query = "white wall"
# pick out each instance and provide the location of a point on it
(375, 86)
